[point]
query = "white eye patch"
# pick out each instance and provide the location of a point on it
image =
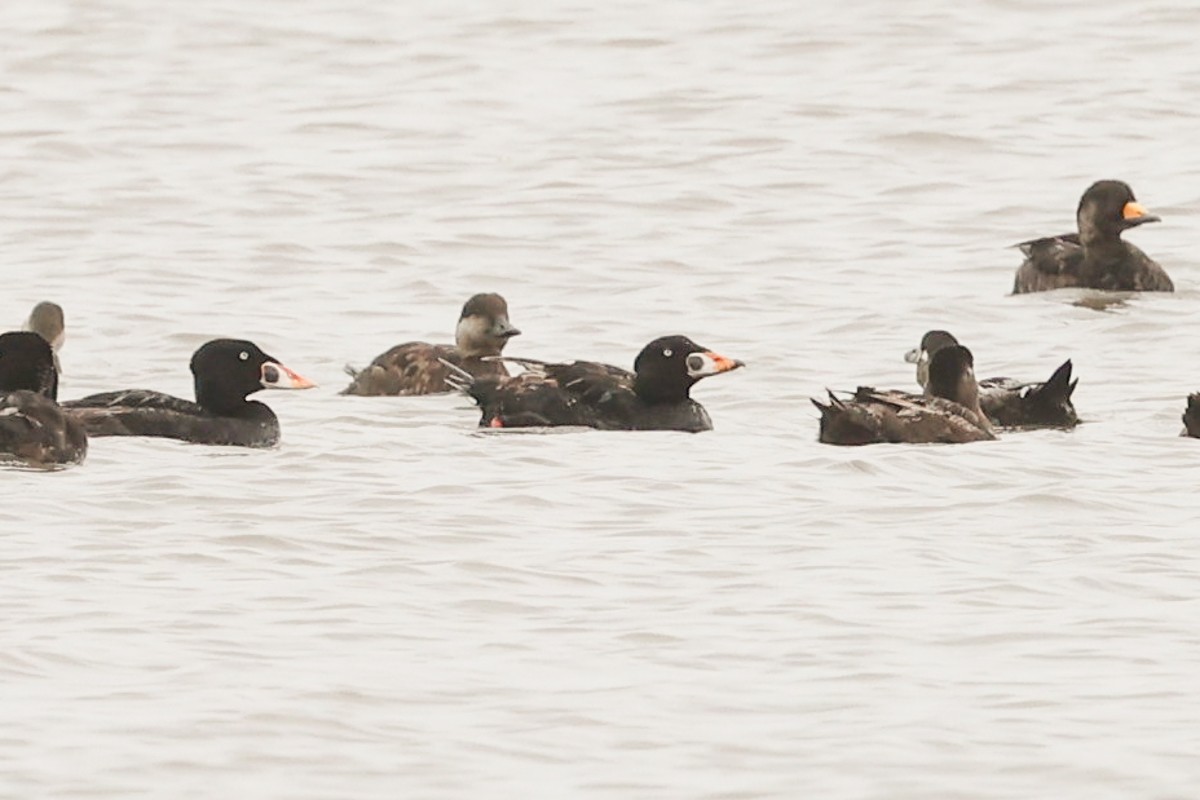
(668, 353)
(243, 355)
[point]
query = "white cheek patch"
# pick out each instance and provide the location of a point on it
(471, 329)
(277, 376)
(700, 364)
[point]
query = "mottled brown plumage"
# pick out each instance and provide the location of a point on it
(1007, 402)
(1096, 257)
(417, 367)
(949, 414)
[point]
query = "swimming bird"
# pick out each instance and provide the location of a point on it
(948, 413)
(47, 320)
(1096, 257)
(33, 428)
(1009, 403)
(1191, 416)
(421, 368)
(656, 395)
(225, 371)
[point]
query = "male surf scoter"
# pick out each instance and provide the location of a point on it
(420, 368)
(948, 413)
(655, 396)
(1009, 403)
(225, 370)
(1096, 257)
(33, 428)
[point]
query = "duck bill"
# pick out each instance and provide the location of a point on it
(913, 356)
(701, 365)
(504, 329)
(277, 376)
(1135, 214)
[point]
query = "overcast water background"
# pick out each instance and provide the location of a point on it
(393, 605)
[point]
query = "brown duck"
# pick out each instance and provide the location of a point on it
(948, 412)
(420, 368)
(1096, 257)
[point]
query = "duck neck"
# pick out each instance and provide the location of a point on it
(220, 399)
(656, 392)
(965, 392)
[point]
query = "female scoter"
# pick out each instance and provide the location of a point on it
(33, 428)
(1009, 403)
(654, 397)
(948, 413)
(225, 370)
(1096, 257)
(46, 319)
(421, 368)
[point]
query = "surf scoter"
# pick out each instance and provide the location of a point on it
(948, 413)
(225, 370)
(46, 319)
(1010, 403)
(1096, 257)
(33, 428)
(655, 396)
(421, 368)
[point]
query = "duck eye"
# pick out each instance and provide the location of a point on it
(667, 353)
(243, 355)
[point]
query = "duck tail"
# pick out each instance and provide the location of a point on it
(1059, 387)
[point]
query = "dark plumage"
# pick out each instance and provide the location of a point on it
(225, 371)
(1096, 257)
(1010, 403)
(948, 414)
(421, 368)
(1191, 416)
(33, 428)
(46, 319)
(655, 396)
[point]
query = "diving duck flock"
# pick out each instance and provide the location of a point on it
(953, 407)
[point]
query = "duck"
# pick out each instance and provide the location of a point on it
(34, 429)
(47, 320)
(1191, 416)
(417, 368)
(225, 371)
(1095, 257)
(948, 413)
(655, 396)
(1009, 403)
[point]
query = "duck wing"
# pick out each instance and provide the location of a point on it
(137, 412)
(34, 429)
(416, 368)
(879, 416)
(583, 393)
(1052, 262)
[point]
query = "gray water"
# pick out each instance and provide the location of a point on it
(392, 604)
